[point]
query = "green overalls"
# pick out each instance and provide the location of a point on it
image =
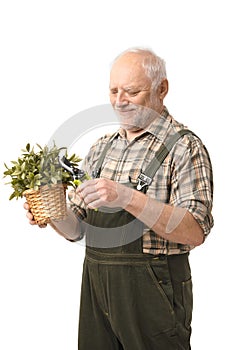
(131, 300)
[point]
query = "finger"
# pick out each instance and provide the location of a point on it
(26, 206)
(92, 198)
(30, 216)
(86, 184)
(95, 204)
(87, 190)
(32, 222)
(42, 225)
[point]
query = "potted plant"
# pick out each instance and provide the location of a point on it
(37, 174)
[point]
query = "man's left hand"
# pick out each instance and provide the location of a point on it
(104, 192)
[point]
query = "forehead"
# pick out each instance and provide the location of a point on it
(128, 70)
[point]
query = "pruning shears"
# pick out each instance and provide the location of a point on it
(77, 173)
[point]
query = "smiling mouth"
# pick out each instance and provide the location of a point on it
(123, 111)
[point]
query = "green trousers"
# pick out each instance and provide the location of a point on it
(131, 300)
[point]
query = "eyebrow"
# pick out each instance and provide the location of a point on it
(129, 88)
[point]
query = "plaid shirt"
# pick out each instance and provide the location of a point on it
(184, 179)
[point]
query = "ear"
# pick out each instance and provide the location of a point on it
(163, 89)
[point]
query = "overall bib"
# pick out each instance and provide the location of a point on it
(131, 300)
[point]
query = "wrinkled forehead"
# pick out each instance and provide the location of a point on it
(128, 69)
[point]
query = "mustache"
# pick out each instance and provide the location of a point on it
(125, 108)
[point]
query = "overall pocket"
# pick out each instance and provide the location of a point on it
(160, 276)
(153, 304)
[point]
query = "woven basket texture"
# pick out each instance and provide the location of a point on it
(48, 203)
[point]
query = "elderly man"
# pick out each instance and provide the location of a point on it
(148, 204)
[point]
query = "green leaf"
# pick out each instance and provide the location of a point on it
(38, 166)
(16, 172)
(12, 196)
(39, 146)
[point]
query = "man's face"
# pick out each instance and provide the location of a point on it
(130, 93)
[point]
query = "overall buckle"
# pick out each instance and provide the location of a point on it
(95, 173)
(143, 180)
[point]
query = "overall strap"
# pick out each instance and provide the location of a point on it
(145, 178)
(96, 172)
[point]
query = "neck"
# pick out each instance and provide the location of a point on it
(131, 134)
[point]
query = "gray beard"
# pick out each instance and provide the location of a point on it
(137, 119)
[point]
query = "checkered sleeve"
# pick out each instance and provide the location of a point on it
(192, 181)
(75, 203)
(88, 165)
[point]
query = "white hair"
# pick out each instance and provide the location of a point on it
(154, 66)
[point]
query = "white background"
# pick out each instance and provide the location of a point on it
(55, 59)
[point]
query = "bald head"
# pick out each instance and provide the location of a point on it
(154, 66)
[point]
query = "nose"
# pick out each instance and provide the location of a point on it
(121, 99)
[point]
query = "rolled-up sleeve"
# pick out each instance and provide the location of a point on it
(76, 205)
(87, 165)
(192, 182)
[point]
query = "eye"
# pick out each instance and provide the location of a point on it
(113, 91)
(133, 93)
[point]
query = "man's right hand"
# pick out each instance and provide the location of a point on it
(68, 228)
(30, 216)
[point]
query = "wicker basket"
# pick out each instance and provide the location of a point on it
(48, 203)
